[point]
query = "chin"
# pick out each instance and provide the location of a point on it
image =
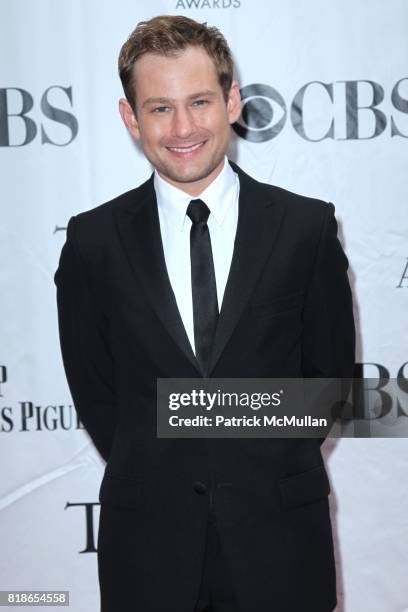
(189, 175)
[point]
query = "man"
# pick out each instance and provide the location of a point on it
(201, 271)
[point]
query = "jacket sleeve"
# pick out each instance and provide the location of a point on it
(86, 354)
(328, 323)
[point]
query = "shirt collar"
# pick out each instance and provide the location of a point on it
(218, 195)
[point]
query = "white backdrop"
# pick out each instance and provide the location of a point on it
(63, 149)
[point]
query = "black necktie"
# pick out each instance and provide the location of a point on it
(204, 288)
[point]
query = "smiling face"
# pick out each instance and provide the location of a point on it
(182, 120)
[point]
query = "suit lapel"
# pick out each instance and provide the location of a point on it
(139, 228)
(259, 219)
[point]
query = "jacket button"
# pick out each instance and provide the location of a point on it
(199, 487)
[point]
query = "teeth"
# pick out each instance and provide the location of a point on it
(184, 149)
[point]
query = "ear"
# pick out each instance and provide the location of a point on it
(234, 103)
(129, 118)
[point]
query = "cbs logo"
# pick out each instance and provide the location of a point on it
(342, 110)
(260, 119)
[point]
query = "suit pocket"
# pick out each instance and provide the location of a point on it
(304, 488)
(278, 305)
(121, 491)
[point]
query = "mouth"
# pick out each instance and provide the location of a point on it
(186, 151)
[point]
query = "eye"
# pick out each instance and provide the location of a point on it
(160, 109)
(200, 102)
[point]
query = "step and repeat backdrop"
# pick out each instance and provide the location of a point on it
(324, 88)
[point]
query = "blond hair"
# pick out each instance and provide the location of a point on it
(168, 35)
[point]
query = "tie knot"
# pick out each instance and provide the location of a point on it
(198, 211)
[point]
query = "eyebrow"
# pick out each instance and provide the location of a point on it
(199, 94)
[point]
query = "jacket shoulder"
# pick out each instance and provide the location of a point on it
(297, 205)
(94, 227)
(297, 200)
(103, 212)
(304, 212)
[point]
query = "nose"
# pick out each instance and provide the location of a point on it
(183, 124)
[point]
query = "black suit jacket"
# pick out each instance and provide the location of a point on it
(287, 312)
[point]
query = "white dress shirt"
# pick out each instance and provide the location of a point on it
(221, 197)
